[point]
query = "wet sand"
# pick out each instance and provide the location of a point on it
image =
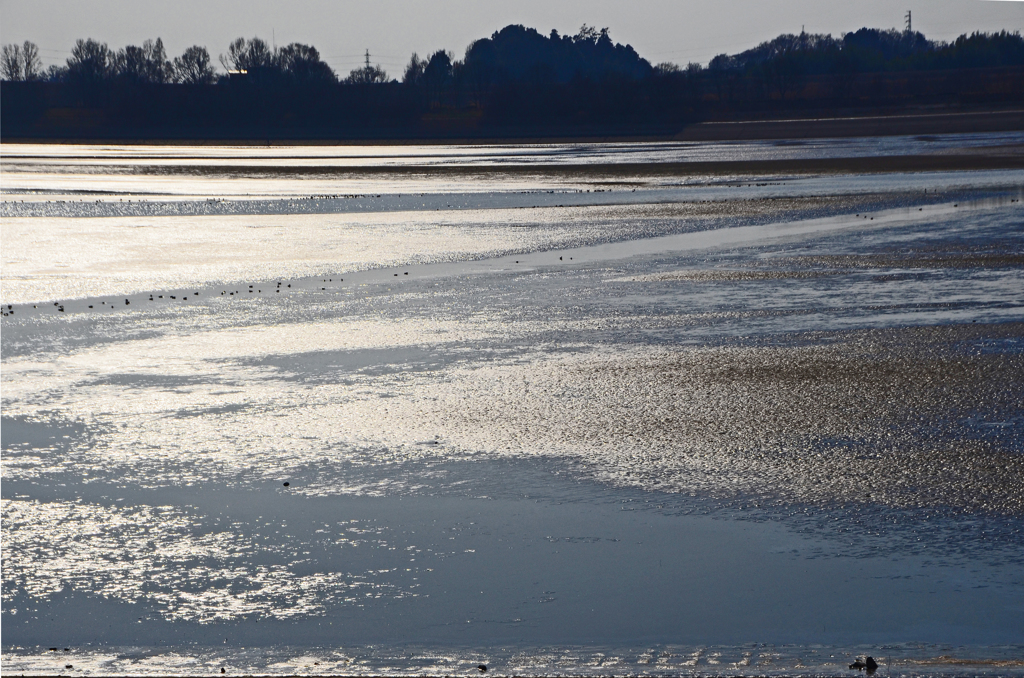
(802, 127)
(981, 159)
(906, 418)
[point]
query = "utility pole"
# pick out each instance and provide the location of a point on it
(908, 21)
(367, 59)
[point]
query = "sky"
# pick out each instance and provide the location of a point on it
(679, 31)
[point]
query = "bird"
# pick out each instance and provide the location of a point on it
(868, 663)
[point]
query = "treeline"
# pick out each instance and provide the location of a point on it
(517, 78)
(93, 64)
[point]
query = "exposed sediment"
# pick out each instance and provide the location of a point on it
(917, 417)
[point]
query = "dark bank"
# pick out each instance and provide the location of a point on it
(521, 85)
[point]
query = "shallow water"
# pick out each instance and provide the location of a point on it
(286, 176)
(756, 427)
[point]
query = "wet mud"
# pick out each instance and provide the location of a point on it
(908, 418)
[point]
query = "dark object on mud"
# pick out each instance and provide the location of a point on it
(868, 664)
(286, 484)
(483, 668)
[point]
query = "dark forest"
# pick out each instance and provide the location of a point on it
(516, 83)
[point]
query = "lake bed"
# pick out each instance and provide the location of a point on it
(559, 422)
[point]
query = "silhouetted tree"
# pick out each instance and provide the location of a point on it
(518, 78)
(146, 64)
(32, 66)
(130, 64)
(303, 64)
(786, 70)
(21, 63)
(589, 34)
(55, 73)
(11, 64)
(89, 63)
(437, 74)
(193, 67)
(981, 50)
(247, 55)
(367, 75)
(517, 53)
(876, 48)
(414, 71)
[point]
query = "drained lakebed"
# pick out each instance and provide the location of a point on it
(267, 413)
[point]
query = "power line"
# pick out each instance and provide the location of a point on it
(362, 59)
(360, 56)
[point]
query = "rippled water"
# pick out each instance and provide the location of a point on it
(744, 425)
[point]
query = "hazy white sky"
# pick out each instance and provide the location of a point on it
(660, 30)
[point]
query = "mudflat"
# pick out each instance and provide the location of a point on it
(555, 409)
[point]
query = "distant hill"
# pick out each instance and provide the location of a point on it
(873, 49)
(519, 53)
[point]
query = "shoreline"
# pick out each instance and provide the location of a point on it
(790, 127)
(985, 158)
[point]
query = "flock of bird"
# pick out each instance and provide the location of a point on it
(8, 309)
